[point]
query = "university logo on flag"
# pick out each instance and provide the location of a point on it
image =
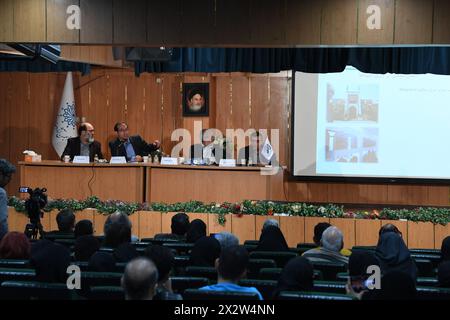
(267, 150)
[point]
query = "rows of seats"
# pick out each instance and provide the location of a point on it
(17, 278)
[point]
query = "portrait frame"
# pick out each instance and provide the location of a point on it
(191, 92)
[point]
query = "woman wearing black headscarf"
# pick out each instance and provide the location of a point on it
(444, 274)
(197, 230)
(445, 249)
(272, 239)
(50, 261)
(297, 275)
(395, 285)
(393, 254)
(205, 252)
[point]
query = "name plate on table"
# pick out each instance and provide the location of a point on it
(227, 163)
(169, 161)
(118, 160)
(81, 159)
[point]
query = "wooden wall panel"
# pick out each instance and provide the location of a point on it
(30, 20)
(97, 21)
(413, 22)
(386, 34)
(232, 15)
(441, 22)
(339, 23)
(302, 15)
(57, 31)
(267, 22)
(5, 110)
(278, 115)
(130, 21)
(6, 20)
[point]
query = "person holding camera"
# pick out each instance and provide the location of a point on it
(6, 171)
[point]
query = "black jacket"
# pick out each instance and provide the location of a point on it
(73, 149)
(244, 153)
(141, 148)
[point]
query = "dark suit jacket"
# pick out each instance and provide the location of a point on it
(244, 153)
(73, 149)
(141, 148)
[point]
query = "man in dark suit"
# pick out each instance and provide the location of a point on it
(84, 144)
(132, 148)
(252, 153)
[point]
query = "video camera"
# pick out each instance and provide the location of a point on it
(34, 205)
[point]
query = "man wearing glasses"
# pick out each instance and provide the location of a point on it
(84, 144)
(131, 147)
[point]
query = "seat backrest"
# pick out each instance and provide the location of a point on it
(427, 281)
(298, 295)
(180, 284)
(424, 267)
(181, 261)
(106, 293)
(281, 258)
(342, 277)
(434, 258)
(426, 251)
(270, 273)
(329, 269)
(330, 287)
(141, 244)
(433, 293)
(26, 290)
(13, 274)
(202, 272)
(195, 294)
(363, 248)
(254, 265)
(90, 279)
(265, 287)
(180, 247)
(13, 263)
(251, 242)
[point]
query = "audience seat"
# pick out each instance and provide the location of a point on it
(342, 276)
(180, 284)
(265, 287)
(295, 295)
(12, 263)
(303, 247)
(330, 286)
(424, 267)
(159, 242)
(83, 265)
(426, 251)
(251, 242)
(10, 274)
(280, 258)
(254, 265)
(181, 261)
(329, 269)
(364, 248)
(141, 244)
(26, 290)
(250, 247)
(427, 281)
(202, 272)
(274, 274)
(195, 294)
(91, 279)
(434, 258)
(180, 247)
(106, 293)
(433, 293)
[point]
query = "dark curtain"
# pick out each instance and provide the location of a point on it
(43, 66)
(400, 60)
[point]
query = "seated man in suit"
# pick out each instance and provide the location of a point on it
(132, 148)
(252, 153)
(84, 144)
(207, 149)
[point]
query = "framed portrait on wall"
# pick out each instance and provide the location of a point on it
(195, 99)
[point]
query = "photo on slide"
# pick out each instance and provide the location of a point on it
(352, 102)
(352, 145)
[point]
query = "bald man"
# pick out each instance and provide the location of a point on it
(140, 279)
(84, 144)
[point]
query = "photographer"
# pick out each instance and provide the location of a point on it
(6, 171)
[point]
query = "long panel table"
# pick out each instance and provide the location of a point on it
(151, 182)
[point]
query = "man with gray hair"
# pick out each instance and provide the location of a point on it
(332, 243)
(140, 279)
(226, 239)
(270, 223)
(6, 171)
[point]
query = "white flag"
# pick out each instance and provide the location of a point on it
(66, 121)
(267, 150)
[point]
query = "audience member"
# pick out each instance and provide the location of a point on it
(270, 223)
(395, 285)
(331, 243)
(226, 239)
(358, 264)
(84, 228)
(15, 245)
(117, 230)
(318, 231)
(393, 254)
(85, 247)
(65, 219)
(50, 261)
(197, 230)
(444, 274)
(297, 275)
(445, 249)
(231, 267)
(389, 227)
(102, 262)
(205, 252)
(164, 260)
(125, 252)
(140, 279)
(6, 171)
(179, 226)
(272, 239)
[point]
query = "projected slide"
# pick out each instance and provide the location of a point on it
(353, 124)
